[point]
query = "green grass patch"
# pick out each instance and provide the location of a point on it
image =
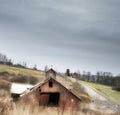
(22, 71)
(106, 90)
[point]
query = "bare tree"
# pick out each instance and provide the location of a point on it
(35, 67)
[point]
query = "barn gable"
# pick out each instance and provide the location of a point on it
(51, 92)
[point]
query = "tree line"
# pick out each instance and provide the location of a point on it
(106, 78)
(6, 61)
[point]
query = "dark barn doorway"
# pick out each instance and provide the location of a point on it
(53, 99)
(49, 99)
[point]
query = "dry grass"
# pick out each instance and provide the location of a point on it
(4, 84)
(10, 74)
(7, 107)
(18, 109)
(22, 71)
(80, 92)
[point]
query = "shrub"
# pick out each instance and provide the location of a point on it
(24, 79)
(32, 80)
(19, 79)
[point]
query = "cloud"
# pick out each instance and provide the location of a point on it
(83, 31)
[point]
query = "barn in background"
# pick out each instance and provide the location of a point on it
(51, 93)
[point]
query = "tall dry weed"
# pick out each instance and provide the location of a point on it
(7, 107)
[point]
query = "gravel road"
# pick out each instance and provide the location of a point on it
(100, 102)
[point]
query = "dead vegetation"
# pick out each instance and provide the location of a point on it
(79, 90)
(7, 78)
(7, 107)
(4, 84)
(24, 79)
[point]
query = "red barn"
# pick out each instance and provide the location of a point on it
(51, 93)
(75, 75)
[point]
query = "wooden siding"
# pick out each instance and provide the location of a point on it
(40, 96)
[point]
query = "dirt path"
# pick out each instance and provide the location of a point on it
(100, 102)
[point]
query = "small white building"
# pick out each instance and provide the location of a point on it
(17, 89)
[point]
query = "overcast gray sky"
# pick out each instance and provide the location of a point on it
(76, 34)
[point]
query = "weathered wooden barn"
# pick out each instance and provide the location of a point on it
(51, 93)
(75, 75)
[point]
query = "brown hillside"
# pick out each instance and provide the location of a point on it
(4, 84)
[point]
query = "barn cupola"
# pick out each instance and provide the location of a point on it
(51, 73)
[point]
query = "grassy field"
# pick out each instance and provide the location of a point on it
(106, 90)
(9, 74)
(7, 107)
(21, 71)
